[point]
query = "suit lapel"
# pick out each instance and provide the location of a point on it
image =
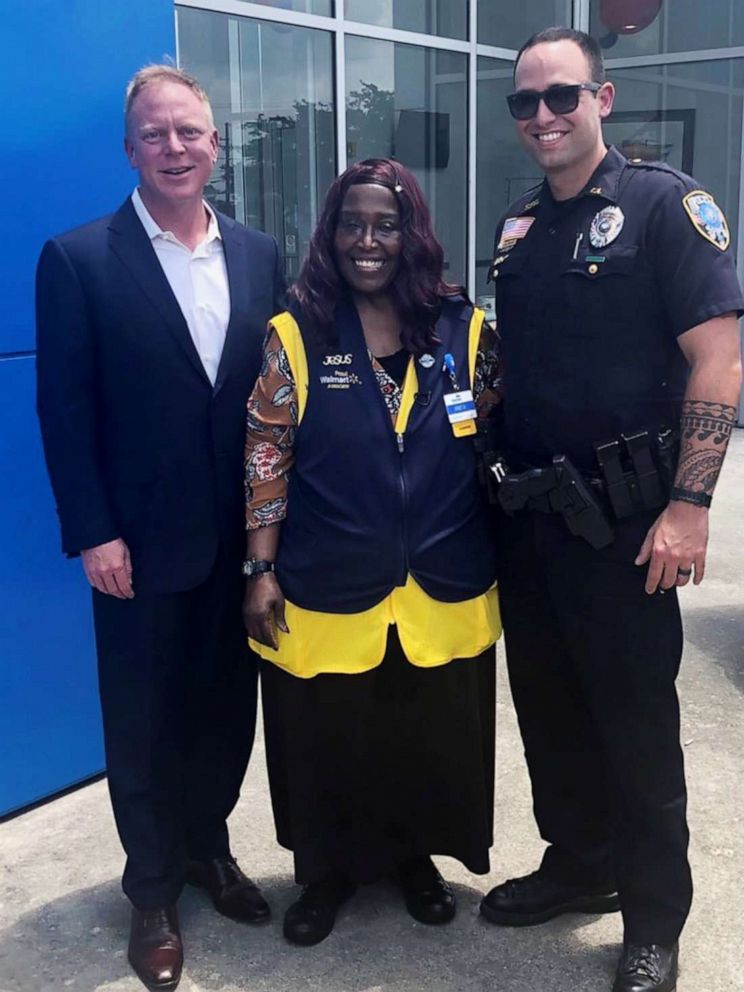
(239, 280)
(130, 243)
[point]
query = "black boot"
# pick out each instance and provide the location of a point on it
(536, 898)
(310, 919)
(429, 899)
(647, 968)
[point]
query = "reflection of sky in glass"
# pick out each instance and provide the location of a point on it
(369, 61)
(447, 18)
(508, 24)
(379, 12)
(296, 50)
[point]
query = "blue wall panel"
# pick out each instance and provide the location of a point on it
(50, 723)
(62, 77)
(64, 66)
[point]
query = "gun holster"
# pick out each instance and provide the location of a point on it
(558, 488)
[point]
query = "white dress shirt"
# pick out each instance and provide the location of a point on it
(198, 279)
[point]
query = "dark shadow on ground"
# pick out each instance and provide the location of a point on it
(718, 633)
(79, 942)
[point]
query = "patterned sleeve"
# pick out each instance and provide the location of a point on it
(271, 422)
(487, 384)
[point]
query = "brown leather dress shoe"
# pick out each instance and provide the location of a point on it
(232, 892)
(155, 948)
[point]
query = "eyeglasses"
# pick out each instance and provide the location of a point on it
(354, 227)
(560, 99)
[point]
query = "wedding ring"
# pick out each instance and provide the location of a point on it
(684, 571)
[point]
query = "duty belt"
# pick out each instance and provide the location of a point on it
(582, 500)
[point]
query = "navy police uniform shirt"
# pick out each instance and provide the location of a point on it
(591, 296)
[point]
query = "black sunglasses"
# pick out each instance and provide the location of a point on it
(560, 99)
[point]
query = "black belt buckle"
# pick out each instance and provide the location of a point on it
(618, 491)
(649, 484)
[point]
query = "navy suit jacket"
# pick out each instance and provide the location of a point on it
(138, 443)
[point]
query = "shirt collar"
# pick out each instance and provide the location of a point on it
(603, 182)
(605, 179)
(154, 230)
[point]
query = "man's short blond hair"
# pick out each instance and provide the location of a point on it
(162, 73)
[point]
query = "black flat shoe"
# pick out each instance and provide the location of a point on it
(535, 898)
(310, 919)
(647, 968)
(429, 899)
(233, 893)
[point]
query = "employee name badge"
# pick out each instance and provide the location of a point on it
(461, 412)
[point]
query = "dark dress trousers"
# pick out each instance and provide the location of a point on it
(140, 446)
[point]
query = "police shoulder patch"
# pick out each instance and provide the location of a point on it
(707, 218)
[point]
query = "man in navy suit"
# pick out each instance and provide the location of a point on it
(150, 325)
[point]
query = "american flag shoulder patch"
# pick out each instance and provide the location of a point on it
(515, 228)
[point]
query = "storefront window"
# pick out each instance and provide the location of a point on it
(689, 115)
(271, 88)
(651, 27)
(448, 18)
(411, 103)
(504, 171)
(509, 25)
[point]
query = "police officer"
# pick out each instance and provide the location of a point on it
(617, 303)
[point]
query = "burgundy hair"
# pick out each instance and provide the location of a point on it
(418, 286)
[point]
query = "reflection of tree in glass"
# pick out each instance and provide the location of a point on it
(266, 141)
(265, 178)
(220, 191)
(273, 177)
(370, 122)
(266, 146)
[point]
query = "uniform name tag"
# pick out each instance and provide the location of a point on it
(461, 412)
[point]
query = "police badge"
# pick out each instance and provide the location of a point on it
(707, 218)
(606, 225)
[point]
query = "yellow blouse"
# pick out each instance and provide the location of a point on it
(431, 633)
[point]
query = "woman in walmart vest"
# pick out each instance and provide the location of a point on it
(364, 511)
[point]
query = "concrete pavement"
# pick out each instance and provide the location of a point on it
(63, 919)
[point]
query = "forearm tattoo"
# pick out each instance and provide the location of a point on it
(705, 430)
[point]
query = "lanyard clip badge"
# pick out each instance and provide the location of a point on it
(459, 404)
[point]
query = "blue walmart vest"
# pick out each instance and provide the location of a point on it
(369, 503)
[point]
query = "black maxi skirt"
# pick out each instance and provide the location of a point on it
(368, 770)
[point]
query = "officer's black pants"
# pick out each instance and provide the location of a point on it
(178, 688)
(592, 664)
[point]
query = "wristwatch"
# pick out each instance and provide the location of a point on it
(257, 566)
(688, 496)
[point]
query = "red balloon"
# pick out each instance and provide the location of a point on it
(628, 16)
